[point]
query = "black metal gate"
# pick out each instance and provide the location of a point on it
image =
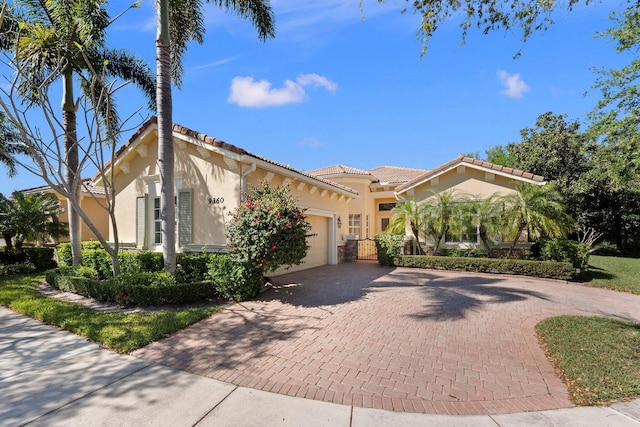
(367, 250)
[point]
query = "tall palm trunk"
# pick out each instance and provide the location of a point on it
(71, 164)
(416, 234)
(165, 139)
(521, 229)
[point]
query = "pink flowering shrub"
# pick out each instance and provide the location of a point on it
(268, 230)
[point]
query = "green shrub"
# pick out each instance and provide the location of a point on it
(389, 246)
(129, 262)
(67, 279)
(19, 268)
(64, 255)
(192, 267)
(150, 261)
(12, 257)
(232, 279)
(544, 269)
(41, 258)
(564, 251)
(143, 288)
(91, 245)
(99, 260)
(88, 272)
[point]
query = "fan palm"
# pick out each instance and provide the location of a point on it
(62, 40)
(181, 21)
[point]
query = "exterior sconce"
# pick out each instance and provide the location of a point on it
(339, 222)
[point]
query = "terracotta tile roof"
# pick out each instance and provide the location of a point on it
(225, 146)
(395, 174)
(88, 187)
(338, 170)
(468, 160)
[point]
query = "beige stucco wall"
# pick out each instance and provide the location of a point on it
(318, 202)
(208, 178)
(212, 177)
(91, 207)
(469, 181)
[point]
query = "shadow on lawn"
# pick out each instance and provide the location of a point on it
(446, 297)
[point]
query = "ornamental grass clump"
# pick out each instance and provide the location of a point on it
(268, 230)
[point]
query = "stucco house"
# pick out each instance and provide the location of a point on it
(210, 178)
(343, 203)
(92, 201)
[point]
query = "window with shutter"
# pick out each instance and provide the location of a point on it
(185, 217)
(141, 222)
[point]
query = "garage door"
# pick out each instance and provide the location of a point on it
(318, 253)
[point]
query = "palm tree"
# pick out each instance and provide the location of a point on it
(181, 21)
(64, 40)
(30, 217)
(441, 213)
(538, 210)
(485, 213)
(407, 214)
(9, 145)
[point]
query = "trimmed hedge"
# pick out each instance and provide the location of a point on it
(20, 268)
(544, 269)
(209, 276)
(142, 289)
(234, 280)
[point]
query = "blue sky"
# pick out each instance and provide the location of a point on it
(337, 86)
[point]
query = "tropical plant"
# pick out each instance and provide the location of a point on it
(537, 210)
(407, 214)
(10, 145)
(181, 21)
(63, 40)
(442, 213)
(485, 213)
(268, 230)
(30, 217)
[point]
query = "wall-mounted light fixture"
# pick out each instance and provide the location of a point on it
(339, 222)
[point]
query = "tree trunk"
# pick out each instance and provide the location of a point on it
(72, 179)
(165, 139)
(416, 234)
(523, 226)
(8, 242)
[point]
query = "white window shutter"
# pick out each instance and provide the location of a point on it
(141, 222)
(185, 217)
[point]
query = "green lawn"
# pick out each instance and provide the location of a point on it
(620, 274)
(599, 358)
(122, 332)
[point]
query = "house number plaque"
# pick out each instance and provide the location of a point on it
(216, 200)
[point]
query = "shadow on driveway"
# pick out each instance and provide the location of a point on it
(446, 297)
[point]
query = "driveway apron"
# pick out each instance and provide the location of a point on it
(401, 339)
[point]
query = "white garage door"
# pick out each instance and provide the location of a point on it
(318, 253)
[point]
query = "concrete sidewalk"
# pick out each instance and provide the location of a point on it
(51, 377)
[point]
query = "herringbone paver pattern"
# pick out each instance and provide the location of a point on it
(399, 339)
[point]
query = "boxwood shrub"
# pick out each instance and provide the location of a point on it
(41, 258)
(233, 279)
(544, 269)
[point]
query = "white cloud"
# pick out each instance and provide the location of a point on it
(215, 63)
(247, 92)
(310, 142)
(513, 85)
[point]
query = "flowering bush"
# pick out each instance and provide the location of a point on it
(268, 230)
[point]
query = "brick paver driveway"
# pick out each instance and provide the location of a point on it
(400, 339)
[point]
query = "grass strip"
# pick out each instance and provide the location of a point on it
(122, 332)
(617, 273)
(598, 358)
